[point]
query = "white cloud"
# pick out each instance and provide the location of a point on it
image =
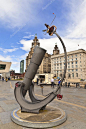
(6, 58)
(26, 44)
(15, 66)
(8, 50)
(77, 18)
(28, 36)
(16, 13)
(48, 44)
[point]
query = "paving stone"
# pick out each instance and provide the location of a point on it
(2, 99)
(76, 116)
(1, 109)
(10, 102)
(10, 125)
(5, 117)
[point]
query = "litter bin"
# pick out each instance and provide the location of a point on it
(85, 86)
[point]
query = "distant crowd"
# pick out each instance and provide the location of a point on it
(5, 79)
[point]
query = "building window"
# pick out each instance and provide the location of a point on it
(76, 62)
(61, 64)
(71, 56)
(72, 66)
(57, 64)
(57, 58)
(80, 54)
(57, 67)
(72, 59)
(68, 56)
(80, 61)
(3, 66)
(68, 66)
(72, 70)
(60, 58)
(72, 62)
(81, 69)
(68, 70)
(64, 63)
(69, 75)
(57, 61)
(68, 59)
(80, 57)
(68, 63)
(76, 66)
(76, 69)
(60, 61)
(72, 74)
(76, 58)
(75, 55)
(60, 67)
(76, 74)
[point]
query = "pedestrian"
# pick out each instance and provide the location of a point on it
(68, 84)
(40, 80)
(52, 82)
(6, 79)
(59, 82)
(2, 78)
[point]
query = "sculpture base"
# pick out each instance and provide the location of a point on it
(50, 117)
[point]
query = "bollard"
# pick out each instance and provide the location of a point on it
(42, 89)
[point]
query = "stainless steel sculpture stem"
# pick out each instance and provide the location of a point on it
(63, 76)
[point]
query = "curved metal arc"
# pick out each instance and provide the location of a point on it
(65, 60)
(31, 105)
(31, 94)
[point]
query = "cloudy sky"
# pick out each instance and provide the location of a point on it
(20, 20)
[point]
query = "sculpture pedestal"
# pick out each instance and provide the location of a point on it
(50, 117)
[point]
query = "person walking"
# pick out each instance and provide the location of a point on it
(59, 82)
(6, 79)
(52, 82)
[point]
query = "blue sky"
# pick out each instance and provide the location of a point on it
(21, 20)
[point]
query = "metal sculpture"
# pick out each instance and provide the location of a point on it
(21, 88)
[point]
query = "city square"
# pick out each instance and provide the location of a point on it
(43, 64)
(73, 102)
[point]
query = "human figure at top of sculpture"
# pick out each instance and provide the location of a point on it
(51, 29)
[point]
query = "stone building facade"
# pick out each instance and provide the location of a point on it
(45, 66)
(76, 64)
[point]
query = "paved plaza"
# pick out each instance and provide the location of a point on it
(73, 102)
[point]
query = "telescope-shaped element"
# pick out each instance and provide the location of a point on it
(33, 66)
